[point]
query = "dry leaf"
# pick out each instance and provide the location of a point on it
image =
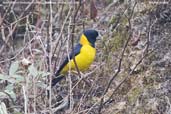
(135, 42)
(25, 62)
(93, 10)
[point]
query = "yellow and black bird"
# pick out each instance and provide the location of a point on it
(84, 53)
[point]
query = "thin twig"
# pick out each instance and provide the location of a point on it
(14, 27)
(25, 99)
(72, 37)
(120, 63)
(41, 3)
(130, 73)
(49, 51)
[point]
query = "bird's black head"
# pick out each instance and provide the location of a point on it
(91, 36)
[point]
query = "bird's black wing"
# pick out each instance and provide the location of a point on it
(75, 52)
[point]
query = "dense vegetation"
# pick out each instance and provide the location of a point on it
(131, 73)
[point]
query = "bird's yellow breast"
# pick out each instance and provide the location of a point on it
(83, 59)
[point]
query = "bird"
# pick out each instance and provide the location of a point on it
(84, 53)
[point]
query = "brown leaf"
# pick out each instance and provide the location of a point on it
(135, 42)
(93, 10)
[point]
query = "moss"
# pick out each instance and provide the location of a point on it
(148, 81)
(124, 21)
(107, 2)
(133, 94)
(116, 42)
(112, 20)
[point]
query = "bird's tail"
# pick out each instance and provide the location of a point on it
(58, 78)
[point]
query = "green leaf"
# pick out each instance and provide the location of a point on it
(9, 87)
(9, 90)
(3, 77)
(11, 93)
(33, 71)
(16, 111)
(3, 109)
(18, 78)
(43, 74)
(13, 68)
(41, 85)
(2, 95)
(11, 80)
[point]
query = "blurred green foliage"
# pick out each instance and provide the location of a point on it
(18, 77)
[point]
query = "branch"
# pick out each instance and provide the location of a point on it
(120, 62)
(130, 73)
